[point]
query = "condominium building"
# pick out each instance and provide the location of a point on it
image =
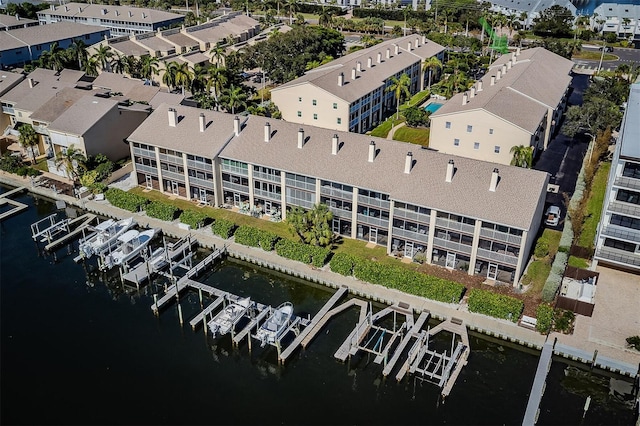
(9, 22)
(519, 101)
(451, 211)
(621, 19)
(351, 93)
(120, 20)
(618, 240)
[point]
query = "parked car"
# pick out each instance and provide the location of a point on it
(606, 48)
(552, 216)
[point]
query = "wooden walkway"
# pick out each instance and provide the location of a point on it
(84, 220)
(17, 206)
(316, 319)
(145, 269)
(537, 390)
(414, 332)
(252, 324)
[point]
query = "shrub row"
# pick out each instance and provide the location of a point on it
(544, 318)
(223, 228)
(125, 200)
(555, 276)
(389, 15)
(193, 218)
(254, 237)
(301, 252)
(160, 210)
(397, 277)
(495, 305)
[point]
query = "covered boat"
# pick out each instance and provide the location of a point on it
(130, 244)
(227, 318)
(276, 324)
(105, 235)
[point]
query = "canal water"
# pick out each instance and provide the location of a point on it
(79, 348)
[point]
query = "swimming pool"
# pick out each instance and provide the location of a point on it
(432, 107)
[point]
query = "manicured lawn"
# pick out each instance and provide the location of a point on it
(594, 56)
(41, 165)
(594, 206)
(537, 275)
(578, 262)
(378, 253)
(418, 136)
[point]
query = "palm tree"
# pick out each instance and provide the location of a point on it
(431, 64)
(77, 52)
(218, 54)
(91, 67)
(29, 139)
(119, 64)
(148, 67)
(313, 226)
(71, 159)
(293, 7)
(54, 59)
(103, 55)
(169, 76)
(217, 81)
(311, 65)
(200, 77)
(522, 156)
(234, 97)
(325, 17)
(183, 76)
(399, 86)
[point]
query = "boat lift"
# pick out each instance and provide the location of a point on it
(46, 229)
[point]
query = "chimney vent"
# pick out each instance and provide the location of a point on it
(267, 132)
(409, 46)
(173, 117)
(372, 151)
(424, 39)
(300, 138)
(236, 125)
(416, 43)
(449, 176)
(509, 64)
(379, 57)
(472, 92)
(359, 66)
(518, 51)
(408, 162)
(498, 75)
(493, 80)
(369, 62)
(504, 69)
(396, 49)
(353, 74)
(494, 180)
(130, 14)
(201, 120)
(31, 82)
(334, 145)
(79, 9)
(465, 98)
(479, 86)
(388, 53)
(341, 79)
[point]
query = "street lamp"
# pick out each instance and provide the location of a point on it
(602, 56)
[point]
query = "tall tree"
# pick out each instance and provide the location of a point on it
(78, 52)
(522, 156)
(400, 87)
(313, 226)
(71, 160)
(91, 67)
(216, 82)
(293, 8)
(119, 64)
(555, 21)
(148, 67)
(103, 55)
(169, 76)
(234, 97)
(218, 54)
(430, 65)
(326, 17)
(29, 139)
(183, 76)
(56, 57)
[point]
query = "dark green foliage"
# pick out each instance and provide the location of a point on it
(495, 305)
(343, 263)
(542, 248)
(125, 200)
(555, 21)
(301, 252)
(544, 318)
(416, 116)
(223, 228)
(268, 240)
(162, 211)
(9, 163)
(193, 218)
(634, 342)
(563, 320)
(254, 237)
(319, 255)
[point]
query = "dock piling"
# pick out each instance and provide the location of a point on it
(180, 314)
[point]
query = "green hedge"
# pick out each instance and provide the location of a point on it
(268, 240)
(317, 256)
(223, 228)
(193, 218)
(343, 263)
(544, 318)
(125, 200)
(495, 305)
(162, 211)
(254, 237)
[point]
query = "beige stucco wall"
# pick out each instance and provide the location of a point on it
(505, 135)
(288, 103)
(108, 134)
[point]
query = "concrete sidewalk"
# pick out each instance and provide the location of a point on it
(502, 329)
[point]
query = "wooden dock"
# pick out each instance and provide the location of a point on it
(17, 206)
(537, 390)
(414, 332)
(252, 324)
(84, 221)
(316, 319)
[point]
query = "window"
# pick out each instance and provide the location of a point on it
(456, 142)
(476, 145)
(339, 120)
(496, 149)
(628, 196)
(490, 131)
(447, 125)
(299, 99)
(314, 102)
(631, 170)
(315, 116)
(299, 113)
(335, 105)
(469, 128)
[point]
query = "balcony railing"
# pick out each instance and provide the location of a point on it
(234, 170)
(144, 153)
(43, 130)
(166, 174)
(416, 236)
(235, 187)
(627, 182)
(509, 259)
(347, 214)
(199, 165)
(267, 194)
(371, 220)
(441, 243)
(300, 202)
(375, 202)
(171, 159)
(141, 168)
(301, 185)
(336, 193)
(624, 208)
(458, 226)
(501, 236)
(628, 234)
(202, 183)
(266, 176)
(618, 256)
(8, 110)
(407, 214)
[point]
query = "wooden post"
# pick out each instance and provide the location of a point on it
(204, 323)
(180, 314)
(200, 294)
(155, 302)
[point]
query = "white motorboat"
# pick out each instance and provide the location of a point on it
(227, 318)
(105, 235)
(130, 244)
(276, 324)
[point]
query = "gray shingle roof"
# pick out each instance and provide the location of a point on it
(10, 21)
(83, 115)
(119, 13)
(536, 82)
(47, 84)
(40, 34)
(630, 130)
(326, 76)
(54, 107)
(8, 80)
(129, 48)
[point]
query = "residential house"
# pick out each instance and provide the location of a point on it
(621, 19)
(23, 45)
(519, 101)
(9, 22)
(8, 80)
(351, 93)
(451, 211)
(119, 20)
(618, 240)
